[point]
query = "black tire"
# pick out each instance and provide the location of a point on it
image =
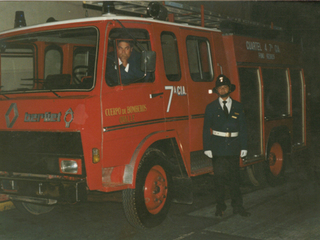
(276, 159)
(256, 174)
(32, 208)
(148, 204)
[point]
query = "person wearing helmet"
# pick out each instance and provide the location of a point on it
(224, 140)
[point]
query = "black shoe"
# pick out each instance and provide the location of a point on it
(242, 212)
(219, 213)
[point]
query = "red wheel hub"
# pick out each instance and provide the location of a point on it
(155, 189)
(275, 159)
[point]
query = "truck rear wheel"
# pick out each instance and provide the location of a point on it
(256, 174)
(32, 208)
(147, 205)
(275, 162)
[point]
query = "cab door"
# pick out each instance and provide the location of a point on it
(198, 65)
(132, 110)
(200, 74)
(174, 83)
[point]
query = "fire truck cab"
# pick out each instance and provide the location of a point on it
(74, 120)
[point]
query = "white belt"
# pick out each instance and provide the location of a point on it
(225, 134)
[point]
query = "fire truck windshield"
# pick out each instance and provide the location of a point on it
(59, 60)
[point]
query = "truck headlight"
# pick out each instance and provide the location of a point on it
(70, 166)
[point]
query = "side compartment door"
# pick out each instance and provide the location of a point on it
(250, 85)
(298, 107)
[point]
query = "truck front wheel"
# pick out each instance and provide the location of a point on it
(32, 208)
(147, 205)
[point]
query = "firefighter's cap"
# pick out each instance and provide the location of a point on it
(223, 80)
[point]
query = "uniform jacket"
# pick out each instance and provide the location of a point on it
(215, 119)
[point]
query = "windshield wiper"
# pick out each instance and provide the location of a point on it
(4, 95)
(54, 93)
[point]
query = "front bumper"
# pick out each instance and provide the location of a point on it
(43, 190)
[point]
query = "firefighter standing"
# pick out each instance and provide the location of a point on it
(224, 139)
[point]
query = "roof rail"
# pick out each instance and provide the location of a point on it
(181, 13)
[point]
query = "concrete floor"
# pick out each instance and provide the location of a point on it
(290, 211)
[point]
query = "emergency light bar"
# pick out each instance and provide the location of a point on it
(19, 20)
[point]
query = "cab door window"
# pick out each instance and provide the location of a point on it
(199, 59)
(124, 57)
(170, 56)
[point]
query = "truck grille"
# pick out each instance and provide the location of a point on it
(37, 152)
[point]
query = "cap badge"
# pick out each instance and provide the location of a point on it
(221, 79)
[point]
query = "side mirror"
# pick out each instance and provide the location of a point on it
(148, 61)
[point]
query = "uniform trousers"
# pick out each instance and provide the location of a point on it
(227, 172)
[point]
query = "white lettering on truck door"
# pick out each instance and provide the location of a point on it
(179, 90)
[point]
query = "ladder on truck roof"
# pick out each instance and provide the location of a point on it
(181, 13)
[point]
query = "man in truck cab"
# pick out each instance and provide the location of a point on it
(128, 62)
(224, 139)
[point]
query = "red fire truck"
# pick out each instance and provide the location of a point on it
(71, 125)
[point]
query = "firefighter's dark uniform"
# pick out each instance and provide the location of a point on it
(225, 149)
